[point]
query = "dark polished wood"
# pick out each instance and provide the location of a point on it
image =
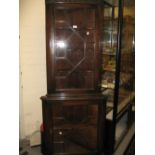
(74, 108)
(73, 48)
(81, 121)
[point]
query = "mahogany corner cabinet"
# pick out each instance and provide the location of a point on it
(74, 108)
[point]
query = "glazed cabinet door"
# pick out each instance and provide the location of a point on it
(72, 47)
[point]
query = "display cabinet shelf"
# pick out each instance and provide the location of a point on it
(109, 69)
(109, 53)
(108, 86)
(122, 106)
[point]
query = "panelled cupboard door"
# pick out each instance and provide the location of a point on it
(72, 38)
(73, 128)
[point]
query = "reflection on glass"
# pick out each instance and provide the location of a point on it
(121, 129)
(107, 12)
(61, 44)
(126, 92)
(107, 39)
(109, 52)
(126, 88)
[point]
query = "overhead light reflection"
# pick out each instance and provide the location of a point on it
(61, 44)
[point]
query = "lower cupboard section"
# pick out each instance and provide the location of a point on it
(74, 127)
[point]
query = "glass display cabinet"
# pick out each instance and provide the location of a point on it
(118, 72)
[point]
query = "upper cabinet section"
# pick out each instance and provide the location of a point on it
(73, 51)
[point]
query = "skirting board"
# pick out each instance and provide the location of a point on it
(35, 139)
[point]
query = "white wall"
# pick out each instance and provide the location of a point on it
(32, 67)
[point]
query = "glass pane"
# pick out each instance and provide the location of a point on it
(127, 72)
(109, 40)
(121, 129)
(75, 43)
(75, 128)
(126, 92)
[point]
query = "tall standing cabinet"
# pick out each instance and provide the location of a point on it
(74, 107)
(118, 72)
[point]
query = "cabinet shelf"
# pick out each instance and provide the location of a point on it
(124, 80)
(108, 86)
(110, 104)
(114, 31)
(122, 106)
(109, 69)
(109, 53)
